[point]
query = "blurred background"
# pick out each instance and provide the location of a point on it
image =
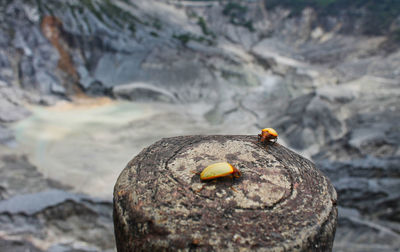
(86, 85)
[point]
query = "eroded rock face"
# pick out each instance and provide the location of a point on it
(37, 214)
(330, 91)
(358, 150)
(11, 105)
(61, 48)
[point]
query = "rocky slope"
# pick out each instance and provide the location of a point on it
(329, 88)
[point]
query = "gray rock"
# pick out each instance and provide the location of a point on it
(17, 246)
(6, 136)
(142, 92)
(370, 236)
(11, 108)
(330, 92)
(3, 84)
(88, 226)
(30, 204)
(19, 177)
(33, 206)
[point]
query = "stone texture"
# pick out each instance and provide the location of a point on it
(330, 91)
(39, 214)
(11, 105)
(281, 202)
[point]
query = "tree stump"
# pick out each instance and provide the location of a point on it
(280, 203)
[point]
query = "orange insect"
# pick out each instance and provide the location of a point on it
(219, 170)
(268, 135)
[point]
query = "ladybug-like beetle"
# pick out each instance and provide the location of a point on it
(268, 135)
(219, 170)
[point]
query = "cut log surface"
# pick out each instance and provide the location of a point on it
(280, 203)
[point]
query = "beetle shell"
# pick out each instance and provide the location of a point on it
(268, 134)
(219, 170)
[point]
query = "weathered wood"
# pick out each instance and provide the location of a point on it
(281, 202)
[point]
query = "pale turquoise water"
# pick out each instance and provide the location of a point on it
(87, 147)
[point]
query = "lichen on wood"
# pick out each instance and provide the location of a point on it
(280, 203)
